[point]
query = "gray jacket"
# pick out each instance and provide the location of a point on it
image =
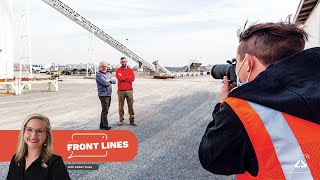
(104, 83)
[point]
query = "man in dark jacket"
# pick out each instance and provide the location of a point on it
(273, 71)
(104, 84)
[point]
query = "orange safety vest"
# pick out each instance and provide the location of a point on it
(286, 147)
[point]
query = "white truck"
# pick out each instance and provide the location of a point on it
(37, 68)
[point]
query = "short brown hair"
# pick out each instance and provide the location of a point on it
(270, 42)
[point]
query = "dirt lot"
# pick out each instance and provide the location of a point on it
(171, 114)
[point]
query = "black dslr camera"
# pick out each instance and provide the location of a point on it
(229, 70)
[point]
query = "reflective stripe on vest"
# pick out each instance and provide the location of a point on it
(283, 140)
(278, 150)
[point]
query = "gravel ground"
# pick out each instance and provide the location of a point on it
(171, 114)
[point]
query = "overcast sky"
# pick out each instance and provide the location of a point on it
(173, 32)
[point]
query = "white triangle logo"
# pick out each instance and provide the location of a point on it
(300, 164)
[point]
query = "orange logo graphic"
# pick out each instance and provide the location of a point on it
(81, 145)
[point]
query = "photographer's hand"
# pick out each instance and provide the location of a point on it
(225, 89)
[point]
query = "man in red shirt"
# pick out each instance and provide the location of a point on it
(125, 78)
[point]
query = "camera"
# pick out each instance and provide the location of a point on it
(229, 70)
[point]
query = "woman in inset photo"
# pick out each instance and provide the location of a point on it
(34, 158)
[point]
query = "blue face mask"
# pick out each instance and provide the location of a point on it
(238, 79)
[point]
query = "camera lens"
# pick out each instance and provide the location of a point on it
(220, 70)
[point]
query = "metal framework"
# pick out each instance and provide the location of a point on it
(25, 49)
(91, 53)
(86, 24)
(161, 68)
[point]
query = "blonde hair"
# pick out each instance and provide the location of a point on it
(47, 148)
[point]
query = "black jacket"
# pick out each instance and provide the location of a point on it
(56, 170)
(291, 85)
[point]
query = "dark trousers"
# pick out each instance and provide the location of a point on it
(105, 104)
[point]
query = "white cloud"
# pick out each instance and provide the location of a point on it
(172, 32)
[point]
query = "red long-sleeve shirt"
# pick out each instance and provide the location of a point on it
(125, 78)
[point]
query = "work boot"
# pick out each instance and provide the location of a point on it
(120, 123)
(133, 123)
(107, 128)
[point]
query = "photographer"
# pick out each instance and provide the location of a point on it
(260, 127)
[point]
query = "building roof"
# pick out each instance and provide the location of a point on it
(304, 10)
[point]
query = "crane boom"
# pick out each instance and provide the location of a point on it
(86, 24)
